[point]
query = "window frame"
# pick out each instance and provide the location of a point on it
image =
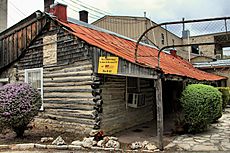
(195, 49)
(162, 39)
(27, 71)
(136, 84)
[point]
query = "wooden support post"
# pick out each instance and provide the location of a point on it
(159, 101)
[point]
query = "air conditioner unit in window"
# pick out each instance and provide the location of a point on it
(135, 100)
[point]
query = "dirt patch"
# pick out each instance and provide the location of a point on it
(34, 136)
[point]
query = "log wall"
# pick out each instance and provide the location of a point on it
(68, 99)
(116, 116)
(76, 99)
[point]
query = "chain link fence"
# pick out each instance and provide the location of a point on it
(192, 38)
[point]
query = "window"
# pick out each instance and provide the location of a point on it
(133, 85)
(195, 49)
(226, 52)
(162, 39)
(34, 77)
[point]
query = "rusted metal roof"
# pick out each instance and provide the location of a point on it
(147, 56)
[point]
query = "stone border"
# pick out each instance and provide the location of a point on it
(30, 146)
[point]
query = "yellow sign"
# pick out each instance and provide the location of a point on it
(108, 65)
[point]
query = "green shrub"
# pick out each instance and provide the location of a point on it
(19, 103)
(202, 104)
(225, 96)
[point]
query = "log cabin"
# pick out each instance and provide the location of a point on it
(88, 76)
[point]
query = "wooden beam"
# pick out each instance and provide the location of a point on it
(159, 101)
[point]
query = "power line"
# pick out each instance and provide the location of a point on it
(94, 10)
(17, 9)
(7, 13)
(91, 15)
(72, 7)
(93, 7)
(96, 17)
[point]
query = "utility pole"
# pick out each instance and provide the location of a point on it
(159, 103)
(186, 35)
(146, 27)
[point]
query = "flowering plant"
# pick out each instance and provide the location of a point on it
(19, 103)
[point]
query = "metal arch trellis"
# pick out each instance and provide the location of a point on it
(174, 23)
(158, 84)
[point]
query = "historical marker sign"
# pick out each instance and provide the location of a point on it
(108, 65)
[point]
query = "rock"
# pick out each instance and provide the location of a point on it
(4, 147)
(73, 147)
(40, 146)
(101, 143)
(204, 148)
(77, 143)
(112, 144)
(94, 143)
(184, 146)
(157, 150)
(88, 142)
(51, 146)
(170, 145)
(93, 133)
(62, 147)
(144, 143)
(106, 139)
(46, 139)
(225, 145)
(150, 146)
(25, 146)
(136, 145)
(58, 141)
(113, 138)
(200, 140)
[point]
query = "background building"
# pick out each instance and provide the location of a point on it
(3, 15)
(133, 27)
(177, 34)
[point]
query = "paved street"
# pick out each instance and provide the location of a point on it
(216, 139)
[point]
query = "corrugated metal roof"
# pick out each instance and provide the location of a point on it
(213, 64)
(125, 48)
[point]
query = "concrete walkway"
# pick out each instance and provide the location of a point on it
(217, 138)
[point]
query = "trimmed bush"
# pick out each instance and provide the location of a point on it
(202, 104)
(225, 96)
(19, 103)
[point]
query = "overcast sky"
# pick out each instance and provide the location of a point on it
(157, 10)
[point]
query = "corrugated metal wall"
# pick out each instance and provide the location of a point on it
(18, 38)
(133, 27)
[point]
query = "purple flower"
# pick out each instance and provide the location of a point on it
(18, 104)
(6, 114)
